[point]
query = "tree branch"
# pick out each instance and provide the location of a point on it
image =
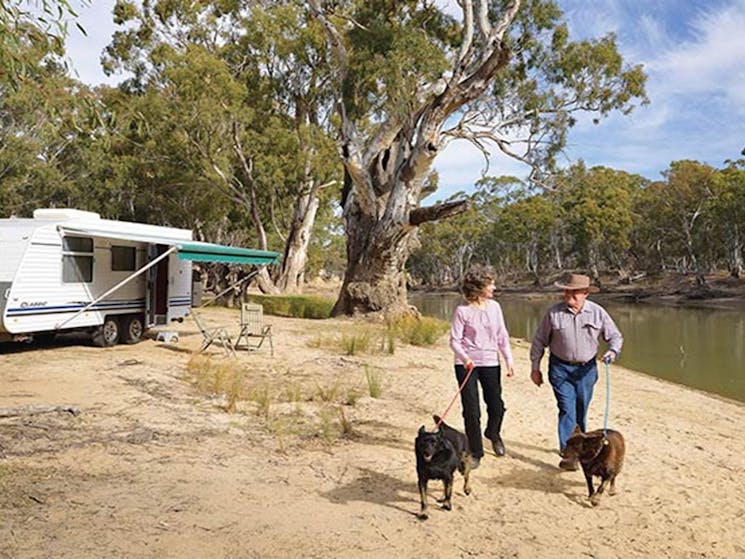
(444, 210)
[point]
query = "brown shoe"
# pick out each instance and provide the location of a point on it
(569, 465)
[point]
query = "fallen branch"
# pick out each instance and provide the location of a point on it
(35, 410)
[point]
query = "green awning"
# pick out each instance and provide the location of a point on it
(208, 252)
(185, 248)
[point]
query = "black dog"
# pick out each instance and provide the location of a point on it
(438, 455)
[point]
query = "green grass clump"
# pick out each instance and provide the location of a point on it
(356, 342)
(296, 306)
(418, 331)
(374, 382)
(328, 393)
(226, 378)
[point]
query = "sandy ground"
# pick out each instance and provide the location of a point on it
(151, 467)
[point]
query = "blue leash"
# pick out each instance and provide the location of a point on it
(607, 395)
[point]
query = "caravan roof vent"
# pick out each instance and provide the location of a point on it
(64, 214)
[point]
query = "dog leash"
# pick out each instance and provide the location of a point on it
(460, 389)
(607, 396)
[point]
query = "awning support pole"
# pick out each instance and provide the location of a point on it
(232, 286)
(119, 285)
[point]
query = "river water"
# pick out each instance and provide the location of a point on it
(698, 347)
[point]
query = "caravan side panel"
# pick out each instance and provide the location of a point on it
(14, 239)
(40, 300)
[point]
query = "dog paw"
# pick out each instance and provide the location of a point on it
(594, 501)
(422, 516)
(467, 490)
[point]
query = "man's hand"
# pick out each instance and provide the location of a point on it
(536, 377)
(609, 356)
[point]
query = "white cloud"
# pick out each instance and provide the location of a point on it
(592, 18)
(712, 62)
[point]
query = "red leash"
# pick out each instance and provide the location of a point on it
(460, 389)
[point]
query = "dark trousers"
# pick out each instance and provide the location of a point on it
(491, 388)
(573, 386)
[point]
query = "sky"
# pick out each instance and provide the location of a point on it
(693, 52)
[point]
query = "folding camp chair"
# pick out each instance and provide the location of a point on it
(252, 326)
(213, 334)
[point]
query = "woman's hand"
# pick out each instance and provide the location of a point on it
(510, 371)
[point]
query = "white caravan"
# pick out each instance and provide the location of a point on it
(69, 269)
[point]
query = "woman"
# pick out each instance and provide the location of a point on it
(477, 335)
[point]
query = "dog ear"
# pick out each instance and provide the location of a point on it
(577, 431)
(421, 430)
(592, 442)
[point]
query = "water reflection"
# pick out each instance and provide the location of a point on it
(701, 348)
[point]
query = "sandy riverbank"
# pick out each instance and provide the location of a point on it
(151, 468)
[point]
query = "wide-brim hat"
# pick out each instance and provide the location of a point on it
(575, 282)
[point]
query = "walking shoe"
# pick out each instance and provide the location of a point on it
(498, 446)
(475, 462)
(568, 465)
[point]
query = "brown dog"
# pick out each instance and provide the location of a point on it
(600, 455)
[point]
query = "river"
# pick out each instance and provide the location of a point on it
(698, 347)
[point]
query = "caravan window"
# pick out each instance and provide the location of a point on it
(77, 259)
(122, 259)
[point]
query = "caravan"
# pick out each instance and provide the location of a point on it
(68, 269)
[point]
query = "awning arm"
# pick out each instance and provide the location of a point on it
(118, 286)
(232, 286)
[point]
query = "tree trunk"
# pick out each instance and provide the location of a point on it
(265, 282)
(374, 279)
(292, 274)
(736, 254)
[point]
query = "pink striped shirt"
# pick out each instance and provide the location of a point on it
(479, 335)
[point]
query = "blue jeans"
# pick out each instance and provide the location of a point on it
(573, 385)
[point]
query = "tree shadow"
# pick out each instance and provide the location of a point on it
(540, 464)
(376, 487)
(173, 348)
(374, 432)
(526, 446)
(547, 478)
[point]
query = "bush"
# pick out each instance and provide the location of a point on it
(422, 331)
(296, 306)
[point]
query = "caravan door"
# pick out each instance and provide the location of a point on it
(156, 299)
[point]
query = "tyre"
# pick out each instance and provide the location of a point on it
(107, 334)
(132, 329)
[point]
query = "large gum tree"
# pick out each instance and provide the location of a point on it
(411, 77)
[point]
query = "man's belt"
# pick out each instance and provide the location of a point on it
(572, 363)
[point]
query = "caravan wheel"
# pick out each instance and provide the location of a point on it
(107, 334)
(132, 329)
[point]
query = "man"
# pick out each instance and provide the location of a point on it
(571, 330)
